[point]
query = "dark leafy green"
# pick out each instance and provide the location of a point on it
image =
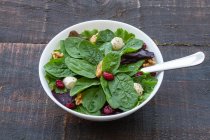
(57, 68)
(124, 34)
(106, 48)
(87, 34)
(90, 52)
(132, 45)
(147, 81)
(136, 56)
(83, 110)
(105, 36)
(123, 92)
(81, 67)
(71, 46)
(82, 84)
(112, 102)
(51, 82)
(130, 69)
(58, 90)
(111, 62)
(62, 48)
(93, 99)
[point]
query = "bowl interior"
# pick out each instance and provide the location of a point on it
(100, 25)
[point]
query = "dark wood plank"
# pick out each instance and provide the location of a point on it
(180, 110)
(180, 21)
(25, 110)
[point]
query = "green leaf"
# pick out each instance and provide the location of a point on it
(147, 81)
(123, 92)
(57, 68)
(105, 36)
(130, 69)
(62, 48)
(51, 80)
(124, 34)
(71, 46)
(82, 110)
(60, 91)
(132, 46)
(82, 84)
(81, 67)
(112, 102)
(90, 53)
(111, 62)
(106, 48)
(93, 99)
(87, 34)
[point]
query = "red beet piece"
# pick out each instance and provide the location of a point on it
(59, 84)
(107, 110)
(108, 76)
(71, 105)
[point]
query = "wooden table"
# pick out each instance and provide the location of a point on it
(181, 108)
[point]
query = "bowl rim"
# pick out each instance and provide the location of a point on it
(92, 117)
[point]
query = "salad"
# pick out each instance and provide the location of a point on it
(98, 72)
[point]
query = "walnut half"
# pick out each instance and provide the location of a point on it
(149, 62)
(78, 99)
(57, 55)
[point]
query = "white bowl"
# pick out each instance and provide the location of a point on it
(100, 25)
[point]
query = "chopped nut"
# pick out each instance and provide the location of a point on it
(99, 70)
(146, 64)
(149, 62)
(93, 39)
(73, 34)
(78, 99)
(57, 55)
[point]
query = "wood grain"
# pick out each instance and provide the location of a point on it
(180, 110)
(177, 21)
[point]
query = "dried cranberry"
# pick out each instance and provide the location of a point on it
(107, 110)
(71, 105)
(144, 46)
(73, 34)
(153, 74)
(139, 73)
(60, 84)
(108, 76)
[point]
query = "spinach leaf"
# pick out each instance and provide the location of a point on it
(130, 69)
(90, 53)
(132, 45)
(51, 82)
(82, 84)
(60, 91)
(112, 102)
(62, 48)
(147, 81)
(71, 46)
(106, 48)
(93, 99)
(105, 36)
(57, 68)
(124, 34)
(81, 67)
(123, 92)
(83, 110)
(87, 34)
(111, 62)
